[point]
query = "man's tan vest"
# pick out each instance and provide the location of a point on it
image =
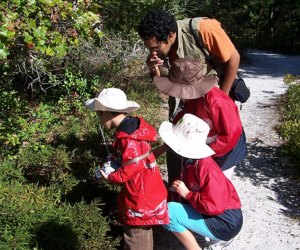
(187, 46)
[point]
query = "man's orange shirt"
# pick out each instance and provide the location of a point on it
(215, 39)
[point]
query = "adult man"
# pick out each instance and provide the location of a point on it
(169, 40)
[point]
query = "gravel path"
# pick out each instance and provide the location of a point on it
(267, 186)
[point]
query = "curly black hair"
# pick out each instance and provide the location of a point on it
(157, 23)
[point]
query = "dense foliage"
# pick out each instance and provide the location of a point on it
(289, 129)
(56, 54)
(268, 24)
(36, 218)
(50, 27)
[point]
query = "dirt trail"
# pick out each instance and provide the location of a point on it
(267, 186)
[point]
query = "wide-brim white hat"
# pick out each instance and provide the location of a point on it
(112, 99)
(187, 137)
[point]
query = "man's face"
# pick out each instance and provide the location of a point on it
(161, 48)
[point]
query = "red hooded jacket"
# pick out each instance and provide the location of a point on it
(211, 193)
(143, 198)
(221, 114)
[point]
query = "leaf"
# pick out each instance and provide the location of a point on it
(50, 51)
(3, 53)
(32, 24)
(6, 33)
(40, 32)
(61, 49)
(27, 37)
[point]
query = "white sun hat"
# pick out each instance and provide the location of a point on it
(187, 137)
(112, 99)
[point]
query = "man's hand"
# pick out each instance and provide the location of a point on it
(180, 188)
(153, 63)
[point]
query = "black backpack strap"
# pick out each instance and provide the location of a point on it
(198, 42)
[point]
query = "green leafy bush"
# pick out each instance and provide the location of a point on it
(33, 217)
(120, 18)
(36, 36)
(49, 141)
(10, 173)
(264, 24)
(44, 26)
(28, 125)
(289, 129)
(11, 106)
(44, 164)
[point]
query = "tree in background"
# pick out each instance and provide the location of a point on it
(267, 24)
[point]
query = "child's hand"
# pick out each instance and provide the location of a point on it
(180, 188)
(104, 175)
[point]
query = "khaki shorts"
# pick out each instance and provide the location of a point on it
(138, 238)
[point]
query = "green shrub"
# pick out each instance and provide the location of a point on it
(25, 124)
(11, 103)
(11, 107)
(45, 26)
(150, 104)
(33, 217)
(291, 100)
(120, 18)
(289, 129)
(43, 163)
(10, 173)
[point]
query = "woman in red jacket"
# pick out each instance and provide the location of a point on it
(142, 200)
(211, 205)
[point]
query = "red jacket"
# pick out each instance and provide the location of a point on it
(143, 198)
(211, 193)
(221, 114)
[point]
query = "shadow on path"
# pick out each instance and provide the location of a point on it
(264, 62)
(266, 166)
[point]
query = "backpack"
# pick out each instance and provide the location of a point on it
(239, 91)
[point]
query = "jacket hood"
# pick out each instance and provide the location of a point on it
(145, 132)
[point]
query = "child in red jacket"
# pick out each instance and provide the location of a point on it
(212, 207)
(142, 200)
(200, 97)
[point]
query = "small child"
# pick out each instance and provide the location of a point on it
(212, 206)
(142, 200)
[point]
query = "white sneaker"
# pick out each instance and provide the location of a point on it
(219, 245)
(205, 242)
